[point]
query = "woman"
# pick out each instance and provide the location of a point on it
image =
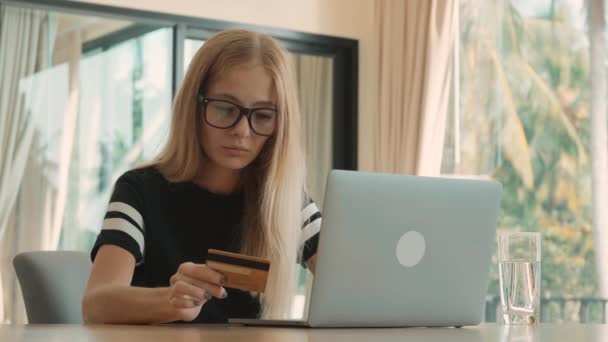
(231, 177)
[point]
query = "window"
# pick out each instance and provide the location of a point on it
(124, 115)
(190, 48)
(93, 99)
(522, 118)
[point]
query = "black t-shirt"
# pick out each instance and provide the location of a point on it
(165, 224)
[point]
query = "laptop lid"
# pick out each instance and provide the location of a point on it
(400, 250)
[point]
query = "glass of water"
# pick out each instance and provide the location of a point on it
(519, 273)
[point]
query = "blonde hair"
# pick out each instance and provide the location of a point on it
(273, 185)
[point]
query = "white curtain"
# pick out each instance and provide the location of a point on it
(23, 51)
(24, 47)
(48, 100)
(314, 80)
(45, 185)
(414, 44)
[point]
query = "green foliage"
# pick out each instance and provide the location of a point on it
(538, 67)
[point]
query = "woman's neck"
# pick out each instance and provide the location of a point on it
(218, 179)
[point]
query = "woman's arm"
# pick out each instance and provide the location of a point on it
(109, 297)
(311, 264)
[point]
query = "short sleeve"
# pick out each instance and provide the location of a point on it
(311, 227)
(123, 224)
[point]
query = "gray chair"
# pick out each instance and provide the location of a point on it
(53, 284)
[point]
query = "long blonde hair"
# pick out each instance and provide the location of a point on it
(273, 185)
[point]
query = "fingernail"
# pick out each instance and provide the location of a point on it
(225, 294)
(196, 303)
(223, 280)
(208, 296)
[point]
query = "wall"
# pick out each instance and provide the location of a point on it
(333, 17)
(343, 18)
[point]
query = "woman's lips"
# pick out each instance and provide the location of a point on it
(235, 151)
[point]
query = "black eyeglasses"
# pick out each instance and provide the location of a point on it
(225, 114)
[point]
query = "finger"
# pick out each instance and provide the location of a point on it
(202, 273)
(211, 289)
(183, 303)
(179, 276)
(184, 290)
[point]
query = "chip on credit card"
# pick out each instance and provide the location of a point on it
(241, 271)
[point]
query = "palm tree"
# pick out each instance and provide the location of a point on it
(525, 121)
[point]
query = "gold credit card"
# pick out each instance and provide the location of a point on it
(241, 271)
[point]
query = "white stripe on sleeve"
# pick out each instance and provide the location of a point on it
(311, 229)
(127, 227)
(310, 210)
(127, 210)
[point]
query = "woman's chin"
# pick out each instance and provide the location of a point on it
(233, 164)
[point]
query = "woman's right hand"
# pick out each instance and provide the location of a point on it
(191, 287)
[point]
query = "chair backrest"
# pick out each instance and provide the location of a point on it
(53, 284)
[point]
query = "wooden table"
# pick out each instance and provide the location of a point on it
(188, 333)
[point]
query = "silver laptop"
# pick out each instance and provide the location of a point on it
(397, 251)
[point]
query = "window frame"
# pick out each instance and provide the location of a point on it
(344, 52)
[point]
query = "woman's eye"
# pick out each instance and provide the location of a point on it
(264, 116)
(225, 109)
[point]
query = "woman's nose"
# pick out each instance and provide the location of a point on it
(242, 127)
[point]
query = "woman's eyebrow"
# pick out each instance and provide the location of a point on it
(265, 103)
(234, 99)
